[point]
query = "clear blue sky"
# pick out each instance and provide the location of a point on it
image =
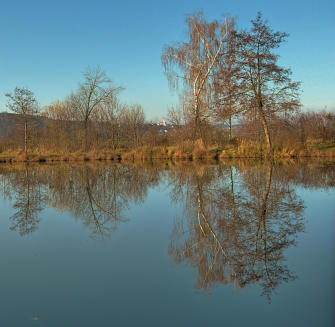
(46, 45)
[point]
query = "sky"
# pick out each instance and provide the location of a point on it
(47, 45)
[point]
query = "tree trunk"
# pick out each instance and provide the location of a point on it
(266, 130)
(86, 135)
(196, 118)
(25, 137)
(229, 119)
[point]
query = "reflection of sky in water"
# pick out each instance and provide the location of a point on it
(65, 278)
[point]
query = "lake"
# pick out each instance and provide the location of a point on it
(186, 244)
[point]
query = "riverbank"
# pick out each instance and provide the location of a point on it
(185, 152)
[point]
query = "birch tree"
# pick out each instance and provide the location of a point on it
(193, 62)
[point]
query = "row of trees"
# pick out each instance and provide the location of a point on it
(90, 116)
(99, 122)
(227, 76)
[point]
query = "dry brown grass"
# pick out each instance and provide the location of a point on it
(186, 151)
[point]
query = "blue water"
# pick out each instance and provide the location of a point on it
(64, 273)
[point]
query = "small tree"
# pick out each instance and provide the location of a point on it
(132, 121)
(107, 121)
(61, 131)
(23, 102)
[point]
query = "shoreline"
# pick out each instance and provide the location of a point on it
(160, 154)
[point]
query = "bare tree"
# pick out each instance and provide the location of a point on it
(60, 110)
(61, 131)
(269, 89)
(95, 90)
(195, 61)
(107, 118)
(23, 102)
(132, 120)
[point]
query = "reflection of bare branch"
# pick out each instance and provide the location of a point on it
(263, 218)
(97, 223)
(199, 213)
(105, 215)
(210, 268)
(212, 232)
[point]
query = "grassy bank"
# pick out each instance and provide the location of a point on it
(187, 151)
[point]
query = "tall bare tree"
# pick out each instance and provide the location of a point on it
(95, 90)
(23, 102)
(269, 89)
(195, 61)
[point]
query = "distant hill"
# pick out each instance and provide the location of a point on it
(10, 122)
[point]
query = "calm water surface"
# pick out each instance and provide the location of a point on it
(185, 245)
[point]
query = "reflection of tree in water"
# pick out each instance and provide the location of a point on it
(97, 195)
(275, 214)
(237, 228)
(28, 202)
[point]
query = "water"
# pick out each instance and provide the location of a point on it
(185, 245)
